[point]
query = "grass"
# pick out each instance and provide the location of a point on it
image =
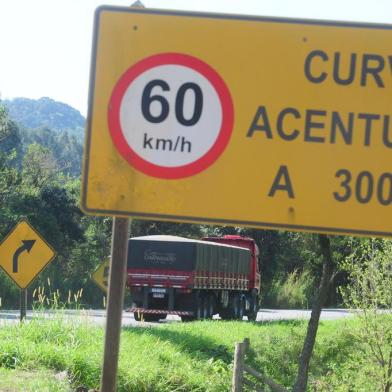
(39, 380)
(172, 357)
(295, 291)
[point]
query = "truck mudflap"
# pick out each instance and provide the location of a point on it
(160, 311)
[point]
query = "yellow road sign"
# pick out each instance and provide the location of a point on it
(24, 253)
(101, 275)
(271, 123)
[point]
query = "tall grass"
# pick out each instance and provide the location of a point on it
(39, 380)
(173, 357)
(181, 356)
(45, 298)
(294, 291)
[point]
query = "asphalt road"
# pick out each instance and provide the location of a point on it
(98, 317)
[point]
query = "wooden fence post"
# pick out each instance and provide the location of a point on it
(238, 367)
(246, 345)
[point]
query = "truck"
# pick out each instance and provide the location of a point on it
(194, 279)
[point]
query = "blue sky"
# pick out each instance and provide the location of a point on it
(45, 45)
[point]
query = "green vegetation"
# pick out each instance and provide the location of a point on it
(40, 180)
(370, 292)
(53, 125)
(37, 380)
(182, 357)
(295, 291)
(65, 149)
(45, 112)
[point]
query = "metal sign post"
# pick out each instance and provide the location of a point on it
(23, 304)
(117, 275)
(115, 293)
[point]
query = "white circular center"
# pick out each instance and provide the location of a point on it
(170, 115)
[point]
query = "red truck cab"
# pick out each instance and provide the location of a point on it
(243, 242)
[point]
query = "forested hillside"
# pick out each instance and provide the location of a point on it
(33, 184)
(45, 112)
(40, 180)
(51, 124)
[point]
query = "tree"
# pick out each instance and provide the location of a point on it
(145, 227)
(369, 292)
(39, 166)
(66, 149)
(9, 132)
(10, 179)
(319, 301)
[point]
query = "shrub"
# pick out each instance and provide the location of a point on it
(294, 292)
(369, 293)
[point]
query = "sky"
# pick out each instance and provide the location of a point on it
(45, 45)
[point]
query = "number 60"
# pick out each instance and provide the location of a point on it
(148, 99)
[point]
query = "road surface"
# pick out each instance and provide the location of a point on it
(98, 317)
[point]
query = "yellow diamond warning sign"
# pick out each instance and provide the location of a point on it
(24, 254)
(101, 275)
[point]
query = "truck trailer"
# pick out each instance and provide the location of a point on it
(194, 279)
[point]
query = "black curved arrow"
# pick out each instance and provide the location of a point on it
(27, 245)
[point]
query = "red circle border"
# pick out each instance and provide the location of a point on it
(136, 160)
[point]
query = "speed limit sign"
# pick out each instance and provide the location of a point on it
(240, 120)
(170, 115)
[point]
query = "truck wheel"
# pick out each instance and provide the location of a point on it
(211, 306)
(199, 311)
(230, 313)
(241, 310)
(187, 319)
(235, 306)
(137, 316)
(206, 308)
(152, 317)
(226, 314)
(252, 316)
(197, 308)
(254, 307)
(238, 307)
